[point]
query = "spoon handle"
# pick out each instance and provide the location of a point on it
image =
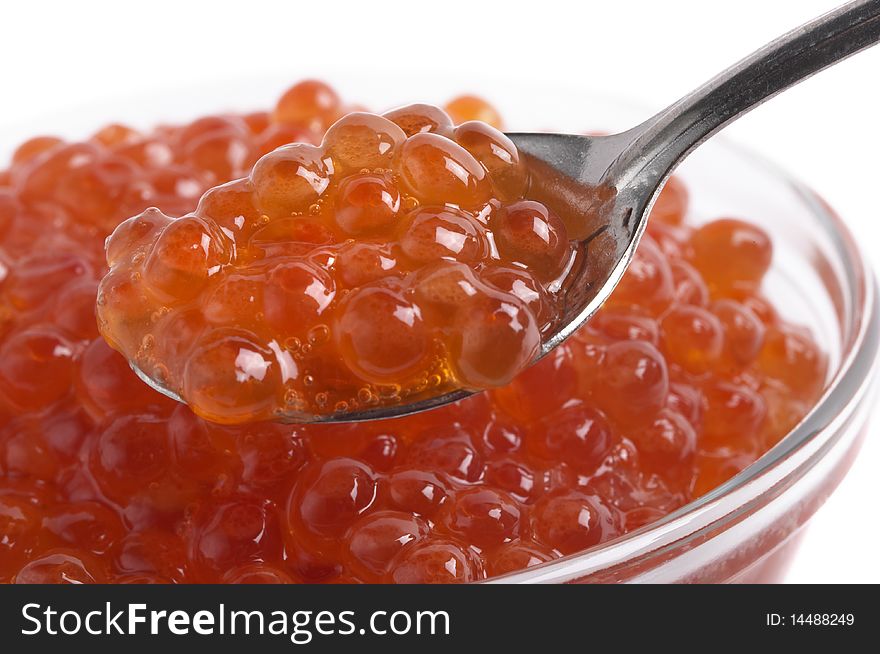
(661, 142)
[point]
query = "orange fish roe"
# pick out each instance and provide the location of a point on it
(683, 379)
(396, 260)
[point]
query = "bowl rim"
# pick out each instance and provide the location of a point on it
(793, 454)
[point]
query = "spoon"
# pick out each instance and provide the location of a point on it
(606, 185)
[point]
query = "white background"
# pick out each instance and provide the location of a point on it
(61, 55)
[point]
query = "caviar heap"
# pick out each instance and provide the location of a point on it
(399, 259)
(683, 379)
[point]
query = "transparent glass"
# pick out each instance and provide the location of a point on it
(747, 529)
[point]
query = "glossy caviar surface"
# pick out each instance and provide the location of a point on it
(400, 259)
(685, 377)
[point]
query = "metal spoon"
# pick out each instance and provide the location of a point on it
(607, 184)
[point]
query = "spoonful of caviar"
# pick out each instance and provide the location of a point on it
(406, 261)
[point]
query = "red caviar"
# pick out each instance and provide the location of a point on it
(686, 377)
(347, 275)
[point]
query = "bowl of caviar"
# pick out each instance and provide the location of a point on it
(301, 251)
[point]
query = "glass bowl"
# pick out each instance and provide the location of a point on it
(747, 529)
